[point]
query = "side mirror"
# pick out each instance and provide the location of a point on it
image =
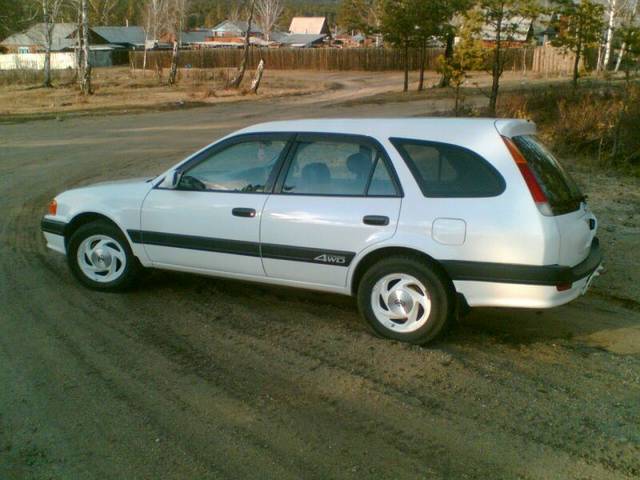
(175, 180)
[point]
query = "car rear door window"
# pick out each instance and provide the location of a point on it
(563, 194)
(445, 170)
(343, 168)
(242, 167)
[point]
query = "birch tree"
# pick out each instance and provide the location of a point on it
(155, 13)
(628, 28)
(267, 14)
(612, 12)
(85, 80)
(50, 11)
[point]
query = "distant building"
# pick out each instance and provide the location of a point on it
(32, 40)
(521, 34)
(310, 26)
(230, 28)
(130, 38)
(64, 39)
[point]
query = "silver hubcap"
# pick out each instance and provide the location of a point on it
(101, 258)
(400, 302)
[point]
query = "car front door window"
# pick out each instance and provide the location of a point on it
(245, 167)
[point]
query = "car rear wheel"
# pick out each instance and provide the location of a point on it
(405, 299)
(100, 257)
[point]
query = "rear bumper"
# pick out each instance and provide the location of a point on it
(548, 275)
(503, 285)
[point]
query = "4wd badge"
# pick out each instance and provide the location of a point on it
(333, 259)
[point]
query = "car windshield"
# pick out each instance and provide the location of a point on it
(561, 190)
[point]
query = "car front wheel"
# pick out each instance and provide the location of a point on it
(100, 257)
(405, 299)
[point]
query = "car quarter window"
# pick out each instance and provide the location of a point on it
(445, 170)
(245, 166)
(336, 167)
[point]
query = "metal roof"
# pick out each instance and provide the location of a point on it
(121, 35)
(301, 39)
(198, 36)
(35, 36)
(236, 26)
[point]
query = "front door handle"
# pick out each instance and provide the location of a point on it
(243, 212)
(380, 220)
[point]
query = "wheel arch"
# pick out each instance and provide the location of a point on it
(89, 217)
(370, 258)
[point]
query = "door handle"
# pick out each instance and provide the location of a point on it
(243, 212)
(376, 220)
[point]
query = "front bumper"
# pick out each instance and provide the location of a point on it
(53, 231)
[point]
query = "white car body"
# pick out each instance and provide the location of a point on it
(498, 251)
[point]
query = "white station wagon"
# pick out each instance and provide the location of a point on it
(415, 217)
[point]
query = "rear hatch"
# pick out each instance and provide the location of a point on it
(564, 200)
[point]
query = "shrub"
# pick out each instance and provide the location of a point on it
(602, 123)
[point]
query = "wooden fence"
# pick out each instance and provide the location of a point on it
(530, 59)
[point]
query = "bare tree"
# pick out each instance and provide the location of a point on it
(267, 14)
(85, 81)
(235, 12)
(102, 10)
(255, 83)
(155, 20)
(237, 80)
(50, 10)
(177, 10)
(629, 20)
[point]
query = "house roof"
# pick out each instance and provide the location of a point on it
(235, 26)
(296, 39)
(309, 25)
(35, 36)
(121, 35)
(196, 36)
(519, 33)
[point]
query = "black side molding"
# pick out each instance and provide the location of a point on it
(549, 275)
(53, 226)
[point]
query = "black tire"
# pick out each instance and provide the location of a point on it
(439, 290)
(132, 267)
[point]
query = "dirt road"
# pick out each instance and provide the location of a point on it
(191, 377)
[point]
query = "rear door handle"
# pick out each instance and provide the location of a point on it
(376, 220)
(243, 212)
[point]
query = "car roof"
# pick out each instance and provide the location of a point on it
(428, 128)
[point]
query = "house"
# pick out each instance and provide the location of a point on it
(32, 40)
(520, 31)
(310, 26)
(64, 38)
(237, 28)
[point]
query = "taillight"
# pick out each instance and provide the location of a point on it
(538, 195)
(53, 207)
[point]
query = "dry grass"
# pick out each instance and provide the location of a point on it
(119, 89)
(597, 123)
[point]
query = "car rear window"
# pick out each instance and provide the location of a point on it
(445, 170)
(562, 192)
